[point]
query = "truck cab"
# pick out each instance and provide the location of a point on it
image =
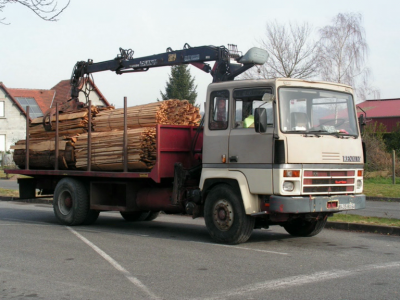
(304, 165)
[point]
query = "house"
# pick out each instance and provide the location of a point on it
(13, 103)
(12, 119)
(385, 111)
(63, 93)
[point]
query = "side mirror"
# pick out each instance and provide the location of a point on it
(260, 120)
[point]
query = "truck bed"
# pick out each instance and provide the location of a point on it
(174, 144)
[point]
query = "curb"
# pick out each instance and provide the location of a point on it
(363, 227)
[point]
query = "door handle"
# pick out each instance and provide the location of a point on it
(234, 158)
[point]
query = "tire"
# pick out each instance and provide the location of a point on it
(135, 216)
(304, 228)
(225, 217)
(91, 217)
(70, 202)
(152, 216)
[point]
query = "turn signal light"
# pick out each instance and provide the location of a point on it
(360, 173)
(291, 173)
(223, 158)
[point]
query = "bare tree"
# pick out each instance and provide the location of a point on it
(343, 51)
(292, 53)
(45, 9)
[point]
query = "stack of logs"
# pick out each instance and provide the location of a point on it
(42, 141)
(106, 153)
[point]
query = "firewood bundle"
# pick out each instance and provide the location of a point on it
(42, 153)
(106, 137)
(148, 146)
(178, 112)
(172, 112)
(107, 153)
(70, 123)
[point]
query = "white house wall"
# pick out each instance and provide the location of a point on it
(93, 96)
(13, 124)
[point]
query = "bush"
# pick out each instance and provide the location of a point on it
(378, 158)
(392, 140)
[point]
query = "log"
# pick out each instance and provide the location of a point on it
(171, 112)
(40, 160)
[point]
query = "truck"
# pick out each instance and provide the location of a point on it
(280, 151)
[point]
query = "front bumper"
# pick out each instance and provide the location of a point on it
(314, 204)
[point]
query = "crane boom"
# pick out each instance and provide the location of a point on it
(223, 69)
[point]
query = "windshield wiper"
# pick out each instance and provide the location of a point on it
(315, 132)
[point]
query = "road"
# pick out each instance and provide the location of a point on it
(373, 208)
(381, 209)
(173, 258)
(10, 184)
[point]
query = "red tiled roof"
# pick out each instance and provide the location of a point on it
(47, 98)
(43, 97)
(381, 108)
(63, 92)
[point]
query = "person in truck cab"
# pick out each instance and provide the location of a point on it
(219, 119)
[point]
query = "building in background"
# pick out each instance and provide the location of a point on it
(385, 111)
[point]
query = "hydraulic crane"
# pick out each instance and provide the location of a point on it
(223, 70)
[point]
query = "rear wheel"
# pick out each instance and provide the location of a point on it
(305, 228)
(70, 202)
(225, 216)
(91, 217)
(153, 215)
(135, 216)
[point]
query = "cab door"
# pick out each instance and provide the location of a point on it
(216, 137)
(251, 152)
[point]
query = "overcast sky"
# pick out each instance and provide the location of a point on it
(37, 54)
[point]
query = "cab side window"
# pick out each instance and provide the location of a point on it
(219, 108)
(246, 101)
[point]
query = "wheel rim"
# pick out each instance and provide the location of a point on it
(223, 215)
(65, 203)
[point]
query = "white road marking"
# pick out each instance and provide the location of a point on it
(116, 265)
(243, 248)
(297, 280)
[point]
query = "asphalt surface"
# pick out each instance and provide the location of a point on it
(10, 184)
(174, 258)
(381, 209)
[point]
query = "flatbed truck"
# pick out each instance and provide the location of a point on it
(282, 151)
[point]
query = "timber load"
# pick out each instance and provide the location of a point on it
(107, 153)
(107, 137)
(169, 112)
(69, 124)
(42, 153)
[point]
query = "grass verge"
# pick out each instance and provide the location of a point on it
(382, 187)
(9, 193)
(346, 218)
(2, 174)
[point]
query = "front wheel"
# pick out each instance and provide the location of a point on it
(305, 228)
(225, 217)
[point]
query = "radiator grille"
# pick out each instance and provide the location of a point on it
(329, 181)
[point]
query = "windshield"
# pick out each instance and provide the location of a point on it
(316, 111)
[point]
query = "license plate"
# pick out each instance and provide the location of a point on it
(345, 206)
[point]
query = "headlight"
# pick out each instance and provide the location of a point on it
(288, 186)
(359, 184)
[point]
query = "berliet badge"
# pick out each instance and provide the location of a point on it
(351, 158)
